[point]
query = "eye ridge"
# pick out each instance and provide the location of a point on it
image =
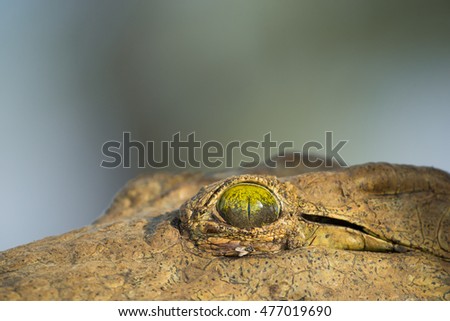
(248, 205)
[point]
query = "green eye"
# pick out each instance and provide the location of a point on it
(248, 205)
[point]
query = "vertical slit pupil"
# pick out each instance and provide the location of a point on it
(248, 205)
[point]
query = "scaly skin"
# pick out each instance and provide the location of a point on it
(388, 208)
(145, 248)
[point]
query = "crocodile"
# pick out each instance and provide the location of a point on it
(374, 231)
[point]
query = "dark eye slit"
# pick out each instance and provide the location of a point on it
(333, 221)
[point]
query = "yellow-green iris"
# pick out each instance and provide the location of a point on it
(248, 205)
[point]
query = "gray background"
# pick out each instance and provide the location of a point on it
(74, 74)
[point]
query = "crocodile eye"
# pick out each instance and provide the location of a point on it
(248, 205)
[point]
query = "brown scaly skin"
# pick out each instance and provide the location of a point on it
(145, 248)
(395, 208)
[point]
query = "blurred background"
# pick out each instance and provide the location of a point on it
(75, 74)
